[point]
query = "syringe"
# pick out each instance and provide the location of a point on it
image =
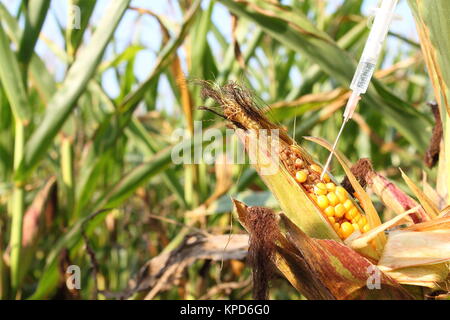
(366, 66)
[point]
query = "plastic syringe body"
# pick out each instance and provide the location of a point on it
(369, 58)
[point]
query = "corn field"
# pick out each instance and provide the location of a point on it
(136, 138)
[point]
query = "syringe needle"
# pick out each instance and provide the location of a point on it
(327, 164)
(366, 66)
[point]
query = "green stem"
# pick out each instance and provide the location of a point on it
(67, 175)
(17, 209)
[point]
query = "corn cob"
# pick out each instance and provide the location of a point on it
(333, 201)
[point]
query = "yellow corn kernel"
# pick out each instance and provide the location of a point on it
(332, 220)
(341, 193)
(301, 176)
(348, 204)
(356, 218)
(347, 229)
(316, 168)
(356, 227)
(336, 226)
(339, 210)
(353, 212)
(329, 211)
(320, 189)
(326, 178)
(366, 228)
(347, 216)
(322, 202)
(331, 186)
(299, 163)
(362, 222)
(364, 219)
(332, 198)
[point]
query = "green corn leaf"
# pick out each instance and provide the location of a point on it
(39, 75)
(144, 142)
(63, 102)
(12, 80)
(35, 14)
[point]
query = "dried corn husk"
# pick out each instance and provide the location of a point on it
(419, 254)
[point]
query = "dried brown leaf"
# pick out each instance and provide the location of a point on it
(433, 151)
(165, 270)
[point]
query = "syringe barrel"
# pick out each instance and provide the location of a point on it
(369, 58)
(363, 74)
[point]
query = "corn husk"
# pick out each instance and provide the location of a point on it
(363, 240)
(419, 254)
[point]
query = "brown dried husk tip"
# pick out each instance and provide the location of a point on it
(361, 169)
(262, 226)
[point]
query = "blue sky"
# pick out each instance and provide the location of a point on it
(147, 33)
